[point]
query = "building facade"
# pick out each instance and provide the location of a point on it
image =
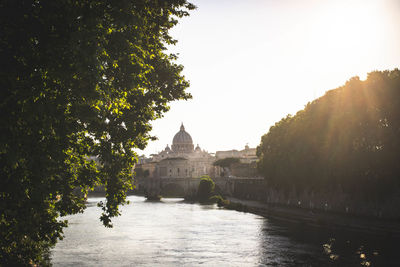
(247, 155)
(180, 160)
(183, 160)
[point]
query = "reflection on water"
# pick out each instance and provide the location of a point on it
(175, 233)
(352, 253)
(345, 248)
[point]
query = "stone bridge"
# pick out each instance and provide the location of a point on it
(187, 187)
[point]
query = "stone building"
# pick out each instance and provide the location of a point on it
(182, 159)
(247, 155)
(246, 165)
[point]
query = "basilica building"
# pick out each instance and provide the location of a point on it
(180, 160)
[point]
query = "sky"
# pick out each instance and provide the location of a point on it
(250, 63)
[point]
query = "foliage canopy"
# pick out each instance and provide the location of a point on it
(206, 188)
(226, 162)
(79, 79)
(348, 139)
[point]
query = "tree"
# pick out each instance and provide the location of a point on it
(226, 165)
(226, 162)
(206, 188)
(347, 140)
(79, 80)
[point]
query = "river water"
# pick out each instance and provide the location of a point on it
(175, 233)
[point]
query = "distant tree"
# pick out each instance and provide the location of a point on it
(226, 162)
(206, 189)
(78, 79)
(348, 139)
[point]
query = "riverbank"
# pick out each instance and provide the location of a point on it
(319, 218)
(313, 218)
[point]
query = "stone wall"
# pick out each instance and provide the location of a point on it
(244, 169)
(334, 201)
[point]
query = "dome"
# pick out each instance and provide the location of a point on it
(197, 149)
(182, 141)
(182, 137)
(167, 149)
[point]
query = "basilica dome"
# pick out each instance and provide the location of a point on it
(182, 141)
(182, 137)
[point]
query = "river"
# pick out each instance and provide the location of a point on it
(175, 233)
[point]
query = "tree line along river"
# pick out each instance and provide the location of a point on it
(175, 233)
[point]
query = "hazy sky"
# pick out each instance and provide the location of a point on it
(251, 62)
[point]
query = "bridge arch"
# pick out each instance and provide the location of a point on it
(172, 190)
